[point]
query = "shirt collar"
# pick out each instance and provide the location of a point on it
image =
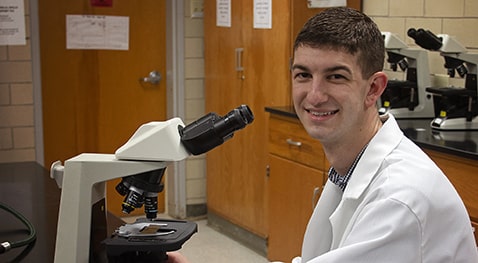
(342, 180)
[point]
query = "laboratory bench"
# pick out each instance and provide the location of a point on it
(27, 188)
(292, 152)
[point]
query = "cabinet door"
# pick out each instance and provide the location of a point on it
(463, 174)
(291, 199)
(236, 183)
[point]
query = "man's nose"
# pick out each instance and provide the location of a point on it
(317, 92)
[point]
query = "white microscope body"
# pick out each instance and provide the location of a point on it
(155, 144)
(418, 103)
(454, 50)
(455, 108)
(83, 178)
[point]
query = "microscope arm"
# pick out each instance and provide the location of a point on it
(83, 184)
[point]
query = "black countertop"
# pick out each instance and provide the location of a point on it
(27, 188)
(459, 143)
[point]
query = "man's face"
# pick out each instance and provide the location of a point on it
(329, 93)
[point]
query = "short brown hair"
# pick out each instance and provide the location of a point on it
(349, 30)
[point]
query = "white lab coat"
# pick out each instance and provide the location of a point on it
(398, 207)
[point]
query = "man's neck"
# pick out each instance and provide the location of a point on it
(342, 154)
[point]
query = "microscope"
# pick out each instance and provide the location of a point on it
(141, 163)
(455, 108)
(407, 99)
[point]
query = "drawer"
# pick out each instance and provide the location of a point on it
(288, 139)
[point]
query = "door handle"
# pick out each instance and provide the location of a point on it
(239, 66)
(154, 78)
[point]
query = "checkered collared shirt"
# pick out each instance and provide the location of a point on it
(342, 180)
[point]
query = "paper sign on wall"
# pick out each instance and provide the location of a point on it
(262, 13)
(12, 22)
(97, 32)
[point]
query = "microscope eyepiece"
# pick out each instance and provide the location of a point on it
(425, 38)
(198, 137)
(212, 130)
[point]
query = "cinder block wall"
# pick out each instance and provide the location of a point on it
(194, 103)
(17, 131)
(457, 18)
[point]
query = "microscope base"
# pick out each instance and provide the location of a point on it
(455, 124)
(421, 112)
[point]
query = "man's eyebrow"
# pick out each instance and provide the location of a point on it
(298, 66)
(337, 68)
(331, 69)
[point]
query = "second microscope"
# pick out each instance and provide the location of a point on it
(456, 108)
(407, 99)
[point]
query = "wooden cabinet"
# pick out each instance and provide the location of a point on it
(463, 174)
(244, 65)
(296, 176)
(236, 171)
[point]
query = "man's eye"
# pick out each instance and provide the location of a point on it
(302, 75)
(336, 76)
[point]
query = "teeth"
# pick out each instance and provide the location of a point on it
(322, 113)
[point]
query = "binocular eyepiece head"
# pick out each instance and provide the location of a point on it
(425, 39)
(212, 130)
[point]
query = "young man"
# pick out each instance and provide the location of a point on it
(385, 200)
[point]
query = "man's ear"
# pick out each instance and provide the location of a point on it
(378, 83)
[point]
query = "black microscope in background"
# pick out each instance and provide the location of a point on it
(455, 108)
(407, 99)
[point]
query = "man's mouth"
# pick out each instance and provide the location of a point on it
(323, 113)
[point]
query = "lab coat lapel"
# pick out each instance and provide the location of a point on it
(340, 219)
(318, 236)
(366, 170)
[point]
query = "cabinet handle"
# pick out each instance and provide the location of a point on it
(293, 143)
(239, 66)
(315, 198)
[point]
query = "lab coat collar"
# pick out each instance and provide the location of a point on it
(381, 145)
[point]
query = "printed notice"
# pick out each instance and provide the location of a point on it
(262, 13)
(97, 32)
(12, 22)
(223, 13)
(325, 3)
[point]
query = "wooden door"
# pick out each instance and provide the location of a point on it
(236, 185)
(93, 100)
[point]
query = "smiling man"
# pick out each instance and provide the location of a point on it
(385, 200)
